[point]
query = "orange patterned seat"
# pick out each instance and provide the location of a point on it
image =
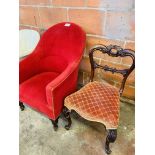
(96, 102)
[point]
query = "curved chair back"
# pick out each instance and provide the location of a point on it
(64, 40)
(114, 51)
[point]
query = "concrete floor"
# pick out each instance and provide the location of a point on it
(37, 136)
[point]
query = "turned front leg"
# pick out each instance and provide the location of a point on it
(55, 124)
(111, 137)
(66, 114)
(22, 107)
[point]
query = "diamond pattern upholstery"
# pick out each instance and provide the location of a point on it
(98, 102)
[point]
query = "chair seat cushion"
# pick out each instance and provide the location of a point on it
(33, 90)
(96, 102)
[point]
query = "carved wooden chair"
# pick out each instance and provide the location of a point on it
(98, 101)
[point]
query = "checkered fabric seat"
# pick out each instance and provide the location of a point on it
(97, 102)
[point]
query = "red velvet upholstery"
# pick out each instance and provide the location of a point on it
(49, 74)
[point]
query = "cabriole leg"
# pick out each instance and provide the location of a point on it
(66, 114)
(111, 137)
(22, 107)
(55, 124)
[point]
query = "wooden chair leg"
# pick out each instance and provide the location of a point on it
(55, 124)
(111, 137)
(66, 114)
(22, 107)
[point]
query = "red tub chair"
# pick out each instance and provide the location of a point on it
(50, 72)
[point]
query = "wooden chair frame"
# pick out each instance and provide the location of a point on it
(114, 51)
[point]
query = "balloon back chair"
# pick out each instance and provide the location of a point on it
(50, 72)
(98, 101)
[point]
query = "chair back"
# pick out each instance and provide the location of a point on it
(64, 40)
(114, 51)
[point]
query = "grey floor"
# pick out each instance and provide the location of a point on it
(37, 136)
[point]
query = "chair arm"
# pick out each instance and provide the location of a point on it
(28, 67)
(61, 87)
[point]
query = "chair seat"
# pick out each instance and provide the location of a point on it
(96, 102)
(33, 90)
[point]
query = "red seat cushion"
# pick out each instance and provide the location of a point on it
(35, 89)
(96, 102)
